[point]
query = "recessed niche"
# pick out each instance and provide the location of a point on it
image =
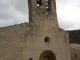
(76, 55)
(30, 58)
(46, 39)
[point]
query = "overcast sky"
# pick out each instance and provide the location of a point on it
(16, 12)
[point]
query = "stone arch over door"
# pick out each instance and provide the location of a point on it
(47, 55)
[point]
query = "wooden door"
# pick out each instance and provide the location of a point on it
(46, 57)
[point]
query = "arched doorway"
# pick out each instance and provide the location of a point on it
(47, 55)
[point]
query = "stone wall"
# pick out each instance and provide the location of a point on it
(26, 41)
(75, 54)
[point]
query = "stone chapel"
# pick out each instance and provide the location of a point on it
(39, 39)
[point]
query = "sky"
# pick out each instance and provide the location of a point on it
(16, 12)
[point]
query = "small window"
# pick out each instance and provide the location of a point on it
(39, 3)
(48, 5)
(30, 58)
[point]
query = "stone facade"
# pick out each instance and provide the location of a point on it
(40, 39)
